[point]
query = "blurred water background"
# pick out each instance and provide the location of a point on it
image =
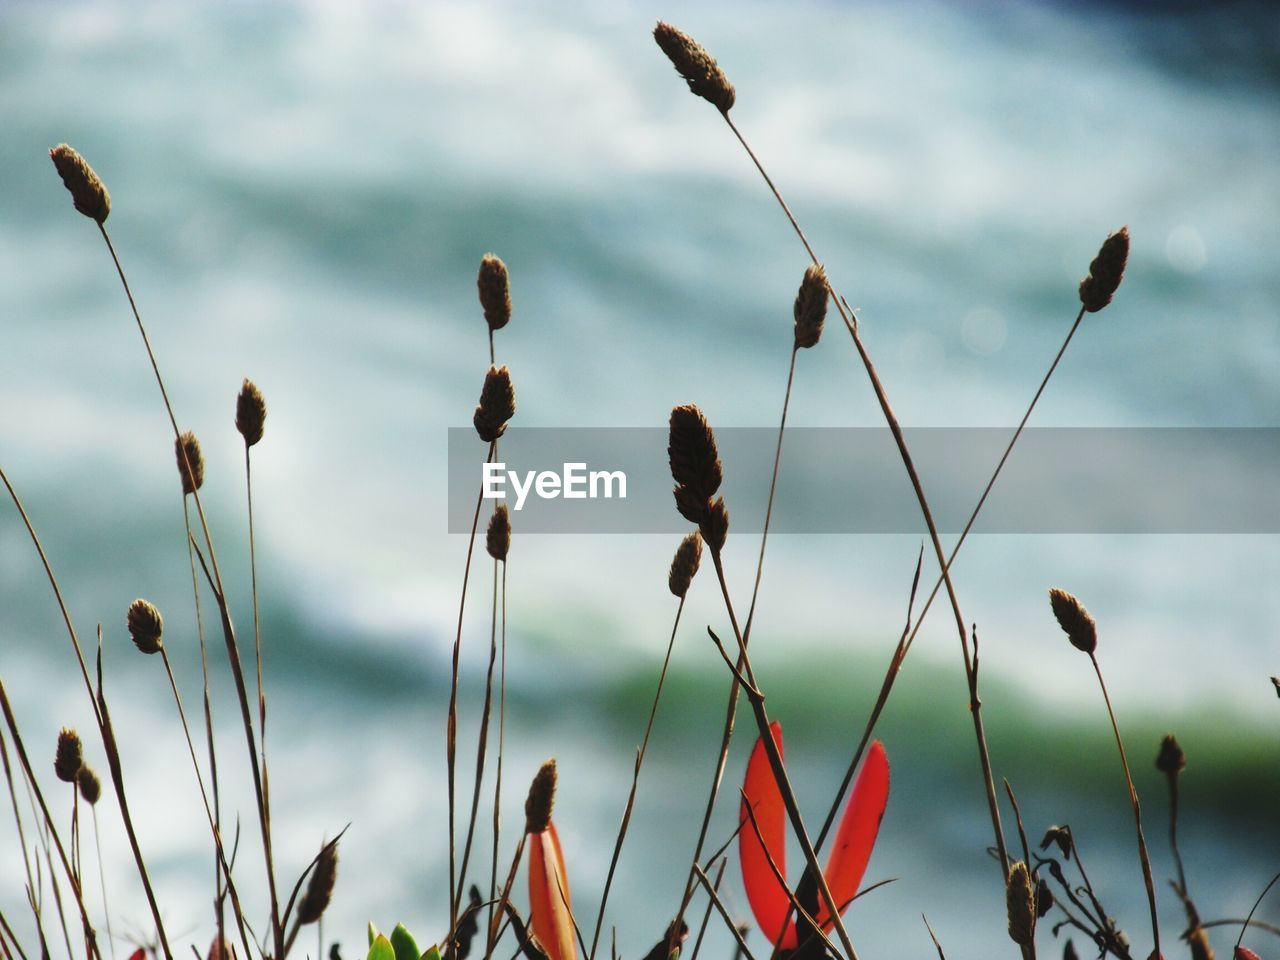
(302, 193)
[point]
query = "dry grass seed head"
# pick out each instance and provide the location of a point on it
(541, 798)
(699, 68)
(494, 286)
(497, 404)
(1079, 626)
(89, 784)
(692, 453)
(251, 412)
(69, 756)
(498, 538)
(146, 626)
(715, 525)
(1020, 900)
(1105, 272)
(190, 462)
(810, 308)
(320, 887)
(87, 190)
(684, 566)
(1171, 761)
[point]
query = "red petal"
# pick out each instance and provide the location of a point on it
(1244, 953)
(858, 829)
(768, 898)
(549, 911)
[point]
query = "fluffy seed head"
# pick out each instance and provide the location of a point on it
(146, 626)
(1074, 619)
(89, 784)
(251, 412)
(497, 404)
(320, 887)
(1171, 760)
(811, 306)
(190, 462)
(495, 291)
(715, 525)
(69, 756)
(699, 68)
(1020, 900)
(498, 539)
(541, 798)
(1105, 272)
(87, 191)
(684, 567)
(691, 450)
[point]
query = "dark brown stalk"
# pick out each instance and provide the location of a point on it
(22, 836)
(724, 913)
(225, 867)
(7, 937)
(102, 881)
(706, 916)
(103, 721)
(50, 827)
(756, 700)
(635, 780)
(257, 629)
(1137, 809)
(497, 778)
(731, 712)
(505, 897)
(451, 726)
(995, 475)
(1254, 909)
(208, 723)
(233, 651)
(975, 705)
(482, 739)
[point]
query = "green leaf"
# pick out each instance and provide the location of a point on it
(382, 949)
(373, 933)
(433, 953)
(404, 944)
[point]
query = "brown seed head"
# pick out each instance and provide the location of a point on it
(699, 68)
(1074, 619)
(89, 784)
(715, 525)
(497, 404)
(1171, 760)
(87, 191)
(811, 306)
(1105, 272)
(495, 291)
(542, 797)
(320, 887)
(691, 450)
(251, 412)
(146, 626)
(1020, 900)
(69, 756)
(190, 462)
(684, 567)
(498, 539)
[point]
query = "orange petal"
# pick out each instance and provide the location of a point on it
(858, 829)
(768, 898)
(549, 912)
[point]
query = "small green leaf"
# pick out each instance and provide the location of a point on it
(404, 945)
(382, 949)
(373, 933)
(433, 953)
